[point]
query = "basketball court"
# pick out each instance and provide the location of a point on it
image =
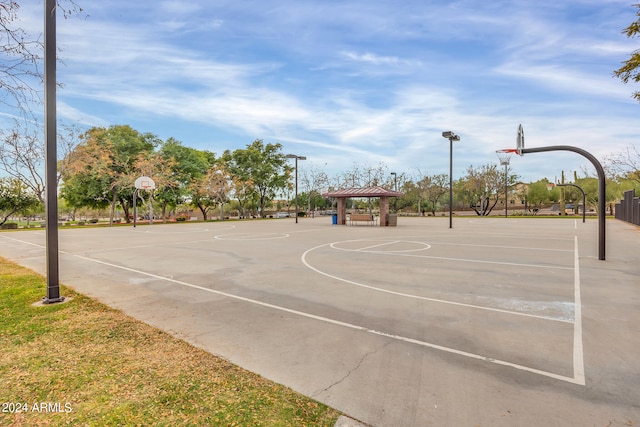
(492, 322)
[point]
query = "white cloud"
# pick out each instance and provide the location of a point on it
(371, 58)
(69, 113)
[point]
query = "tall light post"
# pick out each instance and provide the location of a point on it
(451, 137)
(395, 187)
(505, 156)
(50, 136)
(293, 156)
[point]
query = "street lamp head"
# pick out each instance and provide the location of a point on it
(293, 156)
(451, 136)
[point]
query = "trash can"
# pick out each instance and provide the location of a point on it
(391, 220)
(334, 219)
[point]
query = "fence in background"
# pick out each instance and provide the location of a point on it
(629, 208)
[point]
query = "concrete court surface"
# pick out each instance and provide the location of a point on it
(495, 322)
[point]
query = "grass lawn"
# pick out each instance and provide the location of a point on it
(83, 363)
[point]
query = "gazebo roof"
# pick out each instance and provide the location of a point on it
(363, 192)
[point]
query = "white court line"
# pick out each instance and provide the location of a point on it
(423, 246)
(24, 241)
(251, 236)
(333, 321)
(527, 248)
(201, 230)
(478, 261)
(405, 295)
(578, 352)
(377, 246)
(343, 324)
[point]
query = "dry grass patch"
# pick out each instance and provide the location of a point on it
(92, 365)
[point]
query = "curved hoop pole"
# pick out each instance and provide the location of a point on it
(601, 188)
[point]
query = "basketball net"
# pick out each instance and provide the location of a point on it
(505, 155)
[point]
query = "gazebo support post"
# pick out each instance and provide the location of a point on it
(384, 210)
(342, 211)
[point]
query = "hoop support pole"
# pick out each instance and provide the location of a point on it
(602, 193)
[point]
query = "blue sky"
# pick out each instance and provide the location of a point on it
(364, 81)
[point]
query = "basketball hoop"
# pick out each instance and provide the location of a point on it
(505, 155)
(145, 183)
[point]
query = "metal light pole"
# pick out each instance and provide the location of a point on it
(451, 137)
(602, 188)
(506, 190)
(293, 156)
(505, 156)
(50, 137)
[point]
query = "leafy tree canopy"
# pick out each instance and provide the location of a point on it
(264, 166)
(630, 69)
(15, 197)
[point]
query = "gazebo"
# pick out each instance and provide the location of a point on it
(367, 192)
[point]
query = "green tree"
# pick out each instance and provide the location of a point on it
(431, 190)
(15, 197)
(484, 186)
(614, 190)
(184, 166)
(630, 69)
(538, 194)
(261, 169)
(410, 198)
(211, 189)
(103, 167)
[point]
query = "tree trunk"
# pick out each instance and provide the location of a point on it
(262, 204)
(113, 207)
(125, 209)
(164, 212)
(203, 209)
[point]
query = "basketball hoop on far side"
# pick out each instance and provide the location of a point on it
(505, 155)
(145, 183)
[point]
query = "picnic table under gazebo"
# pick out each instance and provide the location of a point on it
(365, 192)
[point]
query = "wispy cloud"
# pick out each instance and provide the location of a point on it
(371, 58)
